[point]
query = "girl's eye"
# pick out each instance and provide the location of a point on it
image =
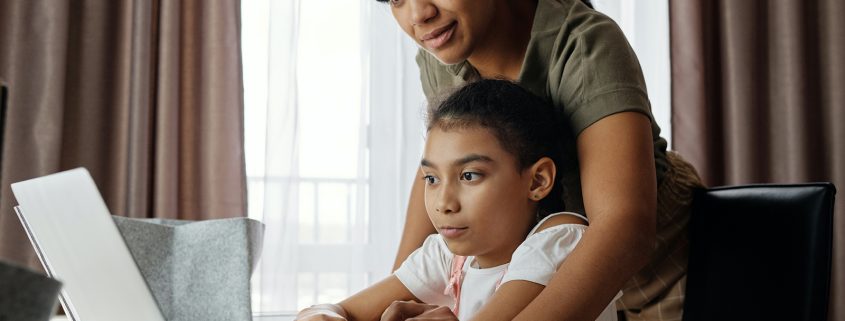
(395, 2)
(430, 180)
(470, 176)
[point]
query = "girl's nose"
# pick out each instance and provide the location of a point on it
(447, 202)
(422, 11)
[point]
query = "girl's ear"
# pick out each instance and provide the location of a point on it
(542, 178)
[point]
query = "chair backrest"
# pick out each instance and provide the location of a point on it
(760, 252)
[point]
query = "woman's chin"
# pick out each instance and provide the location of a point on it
(448, 57)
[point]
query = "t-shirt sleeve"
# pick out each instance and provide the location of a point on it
(539, 256)
(426, 271)
(600, 74)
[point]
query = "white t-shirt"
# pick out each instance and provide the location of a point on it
(426, 272)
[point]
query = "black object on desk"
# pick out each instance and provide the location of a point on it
(760, 252)
(26, 295)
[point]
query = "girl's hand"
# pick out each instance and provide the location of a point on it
(322, 312)
(413, 311)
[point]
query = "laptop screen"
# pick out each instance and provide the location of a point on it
(73, 233)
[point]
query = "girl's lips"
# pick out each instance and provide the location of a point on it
(452, 232)
(439, 37)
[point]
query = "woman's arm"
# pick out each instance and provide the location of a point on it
(417, 224)
(619, 187)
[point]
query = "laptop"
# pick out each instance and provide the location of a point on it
(76, 240)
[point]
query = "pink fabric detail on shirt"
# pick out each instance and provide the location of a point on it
(453, 288)
(456, 276)
(499, 282)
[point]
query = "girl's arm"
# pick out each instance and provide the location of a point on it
(618, 182)
(365, 305)
(322, 312)
(370, 303)
(417, 224)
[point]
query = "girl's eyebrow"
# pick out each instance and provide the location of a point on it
(461, 161)
(472, 158)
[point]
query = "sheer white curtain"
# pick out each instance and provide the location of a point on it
(646, 25)
(333, 138)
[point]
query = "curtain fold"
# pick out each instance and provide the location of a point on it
(275, 285)
(148, 95)
(758, 97)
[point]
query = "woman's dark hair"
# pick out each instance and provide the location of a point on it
(525, 125)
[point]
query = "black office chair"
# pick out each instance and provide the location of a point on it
(760, 252)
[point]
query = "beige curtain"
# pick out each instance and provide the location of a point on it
(758, 95)
(146, 94)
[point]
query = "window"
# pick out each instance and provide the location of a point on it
(333, 132)
(646, 25)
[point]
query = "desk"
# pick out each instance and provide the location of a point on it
(283, 317)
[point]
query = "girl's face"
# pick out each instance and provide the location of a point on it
(474, 195)
(449, 29)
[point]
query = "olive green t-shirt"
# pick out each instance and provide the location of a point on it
(581, 61)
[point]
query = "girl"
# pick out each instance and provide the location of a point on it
(636, 194)
(489, 165)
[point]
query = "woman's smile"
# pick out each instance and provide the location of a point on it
(439, 37)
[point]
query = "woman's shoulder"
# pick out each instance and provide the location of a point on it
(580, 59)
(568, 33)
(572, 19)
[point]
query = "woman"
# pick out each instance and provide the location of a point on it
(635, 194)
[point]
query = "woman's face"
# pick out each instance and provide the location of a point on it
(448, 29)
(474, 195)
